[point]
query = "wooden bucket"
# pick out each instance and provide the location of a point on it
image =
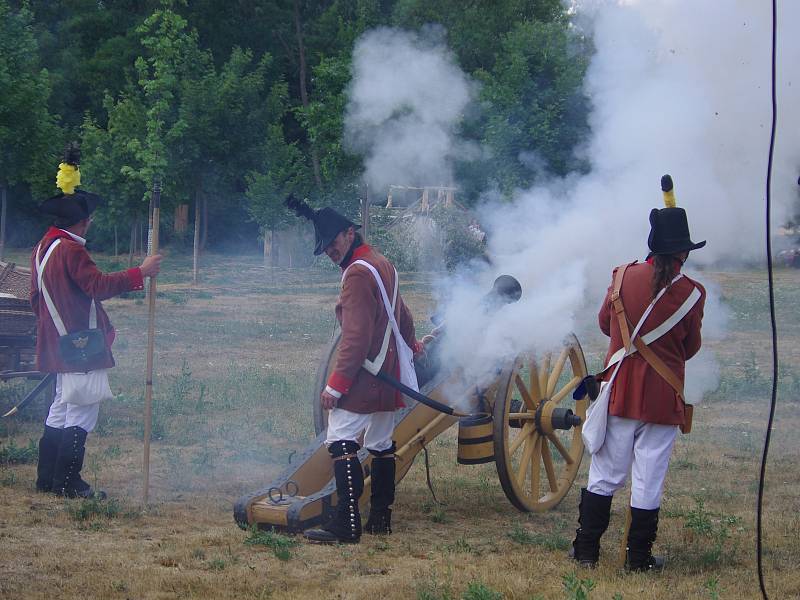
(475, 440)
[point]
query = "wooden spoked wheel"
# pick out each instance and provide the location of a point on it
(537, 446)
(323, 372)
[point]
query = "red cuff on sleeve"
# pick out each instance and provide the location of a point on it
(340, 383)
(418, 347)
(136, 279)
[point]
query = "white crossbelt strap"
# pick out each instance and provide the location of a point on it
(374, 366)
(51, 307)
(668, 324)
(630, 350)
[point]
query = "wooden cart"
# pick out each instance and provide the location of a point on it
(530, 429)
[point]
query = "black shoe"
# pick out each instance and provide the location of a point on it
(379, 522)
(48, 452)
(331, 533)
(639, 556)
(594, 514)
(653, 564)
(345, 527)
(584, 563)
(382, 492)
(67, 479)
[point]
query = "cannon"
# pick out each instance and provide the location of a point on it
(526, 422)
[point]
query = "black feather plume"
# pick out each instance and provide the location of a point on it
(72, 154)
(301, 208)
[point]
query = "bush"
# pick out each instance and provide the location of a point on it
(18, 455)
(439, 239)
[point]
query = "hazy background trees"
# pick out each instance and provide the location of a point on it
(236, 105)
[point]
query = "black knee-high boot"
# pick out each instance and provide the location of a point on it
(642, 534)
(48, 452)
(69, 462)
(595, 512)
(382, 496)
(345, 527)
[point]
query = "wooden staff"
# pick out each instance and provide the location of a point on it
(151, 320)
(623, 547)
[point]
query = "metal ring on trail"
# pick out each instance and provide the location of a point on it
(295, 488)
(271, 495)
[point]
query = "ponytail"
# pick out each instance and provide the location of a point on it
(664, 270)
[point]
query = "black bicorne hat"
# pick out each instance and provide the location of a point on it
(327, 222)
(669, 228)
(73, 207)
(669, 232)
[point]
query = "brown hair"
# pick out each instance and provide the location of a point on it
(664, 270)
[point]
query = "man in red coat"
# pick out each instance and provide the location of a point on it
(361, 406)
(645, 411)
(72, 281)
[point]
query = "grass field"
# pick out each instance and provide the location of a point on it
(235, 364)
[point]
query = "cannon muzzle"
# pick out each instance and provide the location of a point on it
(506, 290)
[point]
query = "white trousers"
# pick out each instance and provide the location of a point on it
(377, 428)
(643, 449)
(63, 415)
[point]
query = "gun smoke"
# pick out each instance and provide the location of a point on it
(675, 87)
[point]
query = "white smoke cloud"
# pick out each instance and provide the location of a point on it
(406, 99)
(679, 87)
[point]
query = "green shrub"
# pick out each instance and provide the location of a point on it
(280, 545)
(18, 455)
(478, 591)
(577, 588)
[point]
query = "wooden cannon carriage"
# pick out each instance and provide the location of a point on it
(18, 331)
(527, 423)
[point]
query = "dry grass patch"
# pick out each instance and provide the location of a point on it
(235, 364)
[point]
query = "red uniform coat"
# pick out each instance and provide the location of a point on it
(639, 391)
(72, 280)
(361, 313)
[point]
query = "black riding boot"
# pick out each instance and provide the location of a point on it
(345, 527)
(642, 534)
(382, 496)
(595, 511)
(48, 451)
(69, 462)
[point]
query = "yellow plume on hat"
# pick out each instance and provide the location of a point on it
(68, 178)
(668, 191)
(69, 173)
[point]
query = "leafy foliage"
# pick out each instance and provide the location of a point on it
(280, 545)
(234, 109)
(18, 455)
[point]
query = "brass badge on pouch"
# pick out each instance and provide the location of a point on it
(80, 342)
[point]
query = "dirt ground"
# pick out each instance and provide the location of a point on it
(235, 364)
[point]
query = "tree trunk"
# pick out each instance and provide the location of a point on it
(131, 247)
(365, 214)
(204, 221)
(301, 51)
(196, 248)
(267, 241)
(274, 251)
(3, 189)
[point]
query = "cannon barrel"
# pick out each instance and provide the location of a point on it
(506, 290)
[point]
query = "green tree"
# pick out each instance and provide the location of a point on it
(534, 102)
(112, 163)
(29, 135)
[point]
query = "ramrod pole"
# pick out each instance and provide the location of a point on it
(151, 320)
